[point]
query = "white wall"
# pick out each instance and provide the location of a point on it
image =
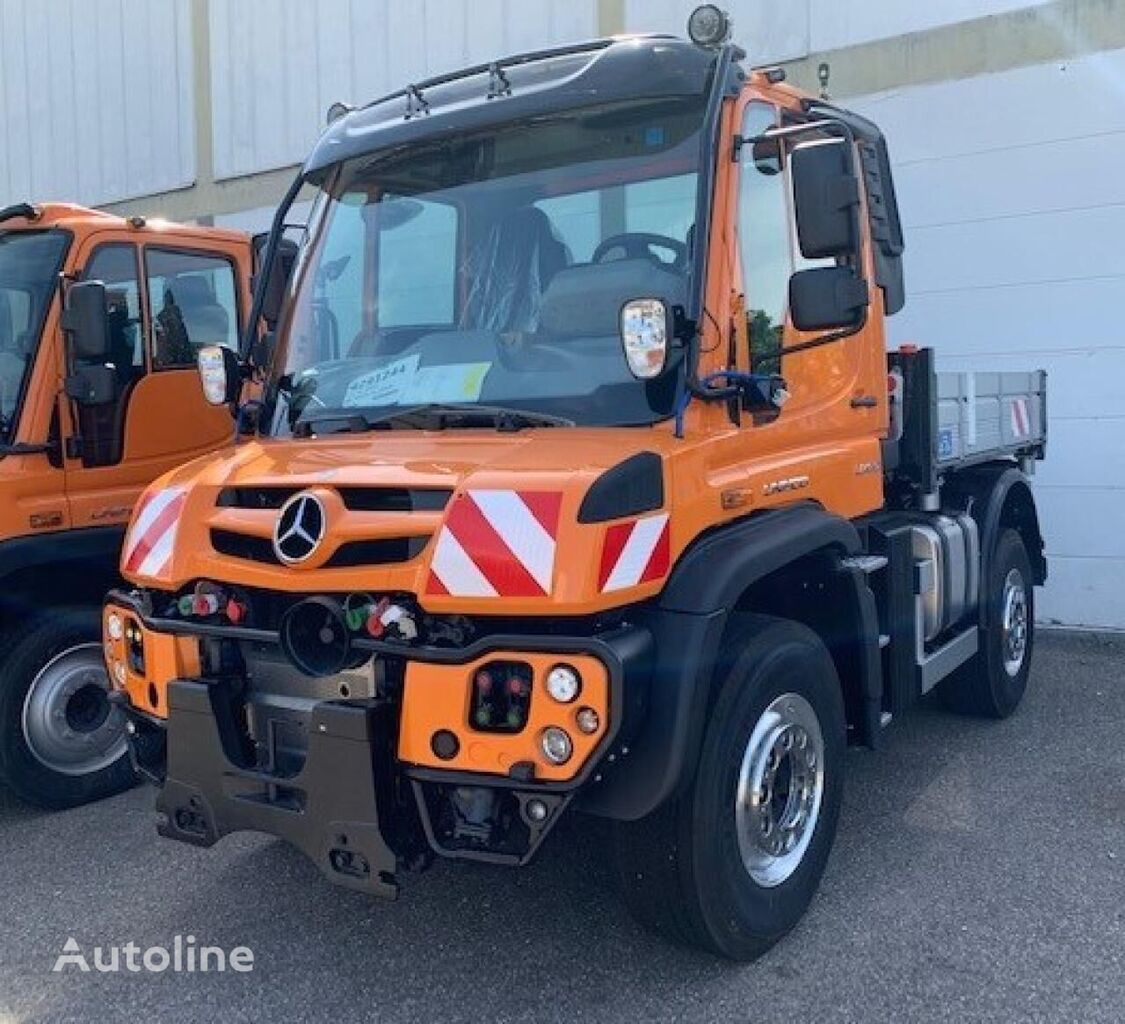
(1014, 209)
(95, 99)
(277, 65)
(774, 31)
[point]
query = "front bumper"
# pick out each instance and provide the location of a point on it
(331, 810)
(364, 791)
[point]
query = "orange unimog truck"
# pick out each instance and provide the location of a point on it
(100, 320)
(583, 482)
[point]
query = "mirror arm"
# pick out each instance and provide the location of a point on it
(826, 339)
(49, 448)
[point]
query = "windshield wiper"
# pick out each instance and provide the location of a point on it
(432, 416)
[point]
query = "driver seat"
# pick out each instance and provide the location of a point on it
(510, 270)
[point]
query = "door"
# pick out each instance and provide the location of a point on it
(164, 304)
(824, 442)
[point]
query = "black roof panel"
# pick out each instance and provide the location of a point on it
(541, 83)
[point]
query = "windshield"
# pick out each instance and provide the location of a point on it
(29, 266)
(491, 270)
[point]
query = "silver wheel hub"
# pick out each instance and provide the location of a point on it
(68, 724)
(1014, 624)
(780, 789)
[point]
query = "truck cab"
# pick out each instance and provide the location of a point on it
(584, 483)
(87, 420)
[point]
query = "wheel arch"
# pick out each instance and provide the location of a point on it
(998, 497)
(739, 567)
(29, 567)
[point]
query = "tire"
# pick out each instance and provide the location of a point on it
(992, 683)
(61, 743)
(695, 870)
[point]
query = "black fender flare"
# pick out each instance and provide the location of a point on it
(95, 551)
(688, 622)
(997, 496)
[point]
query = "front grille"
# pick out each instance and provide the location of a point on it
(395, 499)
(384, 551)
(255, 497)
(355, 499)
(239, 545)
(378, 551)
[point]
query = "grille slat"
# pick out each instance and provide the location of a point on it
(376, 551)
(355, 499)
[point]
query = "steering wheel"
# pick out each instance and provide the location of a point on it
(639, 245)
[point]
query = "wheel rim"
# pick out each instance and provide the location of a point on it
(780, 789)
(1014, 622)
(68, 723)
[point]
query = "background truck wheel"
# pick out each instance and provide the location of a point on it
(61, 742)
(993, 682)
(731, 864)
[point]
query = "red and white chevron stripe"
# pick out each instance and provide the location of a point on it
(497, 543)
(148, 548)
(1021, 421)
(634, 553)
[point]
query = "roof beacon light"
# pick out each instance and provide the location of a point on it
(709, 26)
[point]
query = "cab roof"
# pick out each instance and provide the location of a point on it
(513, 88)
(79, 218)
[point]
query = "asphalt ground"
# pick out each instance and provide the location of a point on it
(978, 874)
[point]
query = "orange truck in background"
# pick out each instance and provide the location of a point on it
(84, 428)
(582, 482)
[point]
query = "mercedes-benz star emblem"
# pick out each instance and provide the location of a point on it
(299, 529)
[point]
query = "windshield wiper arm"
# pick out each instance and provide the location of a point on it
(352, 423)
(434, 415)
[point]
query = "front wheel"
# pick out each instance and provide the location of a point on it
(732, 863)
(61, 742)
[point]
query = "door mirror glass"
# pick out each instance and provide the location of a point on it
(826, 298)
(645, 330)
(282, 266)
(825, 198)
(220, 374)
(85, 320)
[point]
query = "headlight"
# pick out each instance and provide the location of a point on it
(588, 721)
(114, 626)
(564, 684)
(556, 745)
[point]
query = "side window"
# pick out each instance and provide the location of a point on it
(116, 266)
(765, 240)
(417, 262)
(101, 427)
(194, 300)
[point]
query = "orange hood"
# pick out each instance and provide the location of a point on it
(468, 521)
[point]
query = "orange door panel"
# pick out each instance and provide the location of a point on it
(167, 422)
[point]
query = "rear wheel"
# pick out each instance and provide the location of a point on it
(993, 682)
(731, 864)
(61, 742)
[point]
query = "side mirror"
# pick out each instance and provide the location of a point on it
(220, 373)
(825, 198)
(646, 326)
(826, 298)
(92, 385)
(282, 266)
(85, 320)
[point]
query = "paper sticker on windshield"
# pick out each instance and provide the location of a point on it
(461, 382)
(384, 386)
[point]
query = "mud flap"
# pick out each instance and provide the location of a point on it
(329, 810)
